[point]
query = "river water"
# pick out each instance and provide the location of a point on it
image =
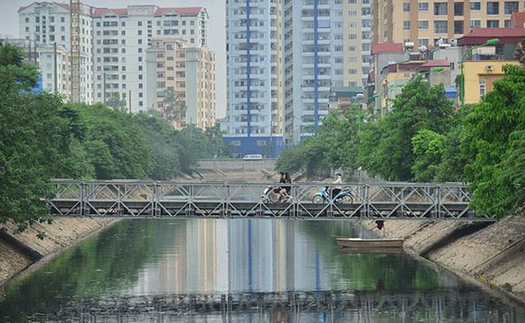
(240, 270)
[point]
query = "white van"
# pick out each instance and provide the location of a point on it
(253, 157)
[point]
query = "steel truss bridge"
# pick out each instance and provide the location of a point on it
(455, 302)
(168, 199)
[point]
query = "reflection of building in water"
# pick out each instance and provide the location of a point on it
(235, 255)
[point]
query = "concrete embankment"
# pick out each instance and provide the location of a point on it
(20, 251)
(492, 255)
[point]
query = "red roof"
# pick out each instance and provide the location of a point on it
(478, 36)
(436, 63)
(63, 5)
(387, 48)
(186, 11)
(518, 19)
(108, 11)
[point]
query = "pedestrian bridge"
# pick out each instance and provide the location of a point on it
(170, 199)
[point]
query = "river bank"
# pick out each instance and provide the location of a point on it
(19, 251)
(493, 256)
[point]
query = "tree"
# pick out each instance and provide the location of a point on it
(420, 106)
(115, 102)
(174, 108)
(428, 147)
(493, 140)
(114, 143)
(34, 141)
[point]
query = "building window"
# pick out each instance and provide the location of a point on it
(422, 24)
(458, 27)
(422, 6)
(459, 8)
(406, 25)
(492, 23)
(475, 24)
(440, 26)
(482, 88)
(440, 9)
(475, 6)
(492, 8)
(507, 23)
(510, 7)
(406, 7)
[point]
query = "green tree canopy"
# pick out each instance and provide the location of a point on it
(420, 106)
(493, 141)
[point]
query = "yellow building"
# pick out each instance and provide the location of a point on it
(184, 87)
(426, 22)
(483, 62)
(480, 77)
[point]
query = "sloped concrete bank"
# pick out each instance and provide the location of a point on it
(492, 255)
(19, 251)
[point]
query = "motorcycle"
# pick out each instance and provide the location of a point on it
(271, 196)
(324, 195)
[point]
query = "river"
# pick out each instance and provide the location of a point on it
(240, 270)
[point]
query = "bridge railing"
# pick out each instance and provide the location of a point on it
(134, 198)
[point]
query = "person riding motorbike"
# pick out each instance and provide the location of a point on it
(337, 188)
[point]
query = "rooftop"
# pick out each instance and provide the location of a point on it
(387, 48)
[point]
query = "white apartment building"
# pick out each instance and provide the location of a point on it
(121, 39)
(313, 63)
(43, 24)
(253, 122)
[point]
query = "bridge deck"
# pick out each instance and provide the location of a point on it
(141, 199)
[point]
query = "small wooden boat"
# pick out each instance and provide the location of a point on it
(355, 250)
(359, 243)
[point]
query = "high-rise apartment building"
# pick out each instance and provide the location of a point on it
(320, 44)
(426, 22)
(121, 39)
(183, 86)
(113, 45)
(326, 46)
(44, 24)
(254, 111)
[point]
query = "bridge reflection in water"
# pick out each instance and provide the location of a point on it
(145, 199)
(455, 305)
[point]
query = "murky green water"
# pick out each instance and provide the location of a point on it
(240, 271)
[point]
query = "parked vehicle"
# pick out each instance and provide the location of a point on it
(324, 196)
(253, 157)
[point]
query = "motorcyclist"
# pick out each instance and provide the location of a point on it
(337, 188)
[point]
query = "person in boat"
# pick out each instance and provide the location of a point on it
(336, 189)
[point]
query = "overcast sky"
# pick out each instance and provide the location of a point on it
(216, 10)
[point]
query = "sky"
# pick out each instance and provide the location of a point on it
(217, 31)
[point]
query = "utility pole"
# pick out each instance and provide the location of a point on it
(129, 100)
(55, 68)
(104, 88)
(74, 57)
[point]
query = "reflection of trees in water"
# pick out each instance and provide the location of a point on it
(103, 264)
(283, 306)
(363, 271)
